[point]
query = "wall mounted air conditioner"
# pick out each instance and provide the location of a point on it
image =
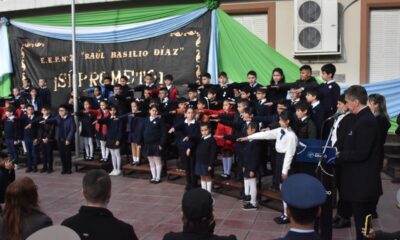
(316, 27)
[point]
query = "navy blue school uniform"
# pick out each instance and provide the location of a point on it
(46, 131)
(317, 115)
(261, 109)
(306, 85)
(114, 131)
(29, 136)
(44, 95)
(305, 128)
(65, 131)
(154, 135)
(212, 104)
(276, 94)
(239, 130)
(224, 92)
(140, 88)
(96, 101)
(134, 126)
(25, 92)
(206, 155)
(11, 135)
(120, 102)
(86, 120)
(35, 102)
(293, 235)
(329, 94)
(190, 129)
(252, 157)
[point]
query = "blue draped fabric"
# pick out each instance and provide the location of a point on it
(212, 66)
(150, 30)
(390, 89)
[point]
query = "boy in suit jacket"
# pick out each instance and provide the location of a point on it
(317, 111)
(46, 139)
(31, 141)
(65, 130)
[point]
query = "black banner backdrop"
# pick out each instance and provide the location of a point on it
(182, 53)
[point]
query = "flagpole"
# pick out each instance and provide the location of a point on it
(74, 80)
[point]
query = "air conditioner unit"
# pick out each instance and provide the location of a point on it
(316, 27)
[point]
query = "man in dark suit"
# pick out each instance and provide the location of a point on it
(304, 196)
(360, 178)
(94, 221)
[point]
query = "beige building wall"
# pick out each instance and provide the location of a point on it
(347, 64)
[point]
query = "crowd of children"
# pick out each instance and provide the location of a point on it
(251, 127)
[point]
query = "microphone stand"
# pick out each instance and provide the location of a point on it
(325, 220)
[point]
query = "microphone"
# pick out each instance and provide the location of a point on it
(334, 116)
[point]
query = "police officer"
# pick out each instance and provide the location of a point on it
(198, 218)
(304, 196)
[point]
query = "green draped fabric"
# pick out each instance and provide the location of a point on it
(394, 126)
(114, 16)
(241, 51)
(5, 85)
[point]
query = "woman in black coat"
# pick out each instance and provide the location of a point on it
(377, 104)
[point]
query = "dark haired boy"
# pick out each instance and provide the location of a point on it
(329, 91)
(44, 92)
(304, 126)
(305, 83)
(119, 101)
(30, 138)
(211, 99)
(173, 93)
(65, 129)
(317, 112)
(46, 139)
(225, 91)
(11, 133)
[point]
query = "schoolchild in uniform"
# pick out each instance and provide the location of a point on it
(87, 131)
(134, 126)
(317, 111)
(65, 129)
(188, 133)
(286, 143)
(44, 93)
(251, 165)
(34, 100)
(275, 93)
(206, 155)
(29, 123)
(101, 129)
(192, 97)
(11, 134)
(304, 126)
(329, 91)
(154, 138)
(226, 146)
(46, 138)
(225, 91)
(113, 139)
(173, 92)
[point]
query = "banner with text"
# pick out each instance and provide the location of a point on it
(182, 53)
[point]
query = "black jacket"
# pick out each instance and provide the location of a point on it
(329, 95)
(305, 129)
(92, 223)
(33, 223)
(6, 177)
(46, 130)
(196, 236)
(206, 151)
(300, 236)
(360, 159)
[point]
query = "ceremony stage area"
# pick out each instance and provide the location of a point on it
(154, 209)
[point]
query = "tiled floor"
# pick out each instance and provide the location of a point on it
(154, 210)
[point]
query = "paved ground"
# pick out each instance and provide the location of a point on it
(154, 210)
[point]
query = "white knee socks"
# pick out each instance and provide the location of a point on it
(116, 159)
(104, 150)
(152, 168)
(206, 185)
(158, 167)
(250, 188)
